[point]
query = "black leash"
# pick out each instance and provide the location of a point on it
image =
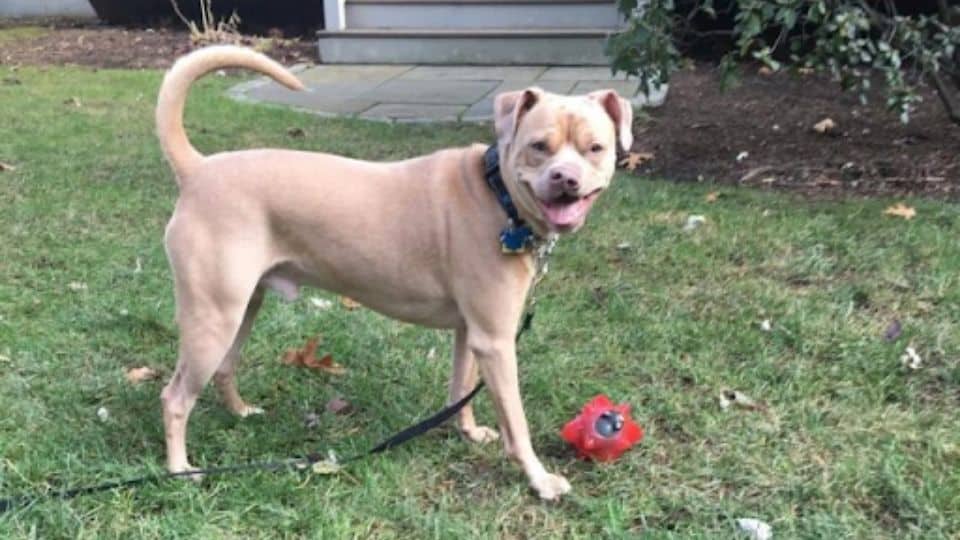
(298, 464)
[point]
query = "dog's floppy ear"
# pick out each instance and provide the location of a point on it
(509, 108)
(620, 111)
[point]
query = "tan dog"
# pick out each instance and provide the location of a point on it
(416, 240)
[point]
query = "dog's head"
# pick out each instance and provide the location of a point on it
(558, 153)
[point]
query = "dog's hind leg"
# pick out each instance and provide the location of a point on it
(462, 381)
(210, 313)
(225, 377)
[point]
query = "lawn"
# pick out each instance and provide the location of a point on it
(853, 443)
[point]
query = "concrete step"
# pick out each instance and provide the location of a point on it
(494, 46)
(450, 14)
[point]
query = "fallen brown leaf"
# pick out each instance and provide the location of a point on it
(338, 405)
(297, 357)
(635, 159)
(296, 133)
(307, 357)
(901, 210)
(765, 71)
(327, 364)
(140, 374)
(75, 101)
(712, 196)
(349, 303)
(6, 167)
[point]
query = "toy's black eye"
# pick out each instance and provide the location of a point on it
(596, 147)
(609, 424)
(539, 146)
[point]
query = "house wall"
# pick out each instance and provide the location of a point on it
(46, 8)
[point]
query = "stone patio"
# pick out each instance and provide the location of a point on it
(410, 93)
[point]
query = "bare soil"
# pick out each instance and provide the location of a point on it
(698, 135)
(768, 123)
(83, 43)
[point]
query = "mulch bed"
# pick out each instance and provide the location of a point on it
(767, 121)
(697, 135)
(84, 43)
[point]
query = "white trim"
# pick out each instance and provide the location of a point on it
(334, 15)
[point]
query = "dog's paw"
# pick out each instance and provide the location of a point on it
(480, 434)
(550, 486)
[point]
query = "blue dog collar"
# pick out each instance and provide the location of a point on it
(517, 236)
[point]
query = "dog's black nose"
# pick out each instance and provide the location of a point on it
(565, 178)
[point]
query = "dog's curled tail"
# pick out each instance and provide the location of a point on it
(173, 95)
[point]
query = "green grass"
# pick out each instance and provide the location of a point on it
(857, 446)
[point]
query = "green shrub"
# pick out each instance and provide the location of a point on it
(852, 40)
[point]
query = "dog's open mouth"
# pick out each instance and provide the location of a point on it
(567, 211)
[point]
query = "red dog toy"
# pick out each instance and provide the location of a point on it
(602, 431)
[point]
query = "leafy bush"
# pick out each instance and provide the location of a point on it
(853, 40)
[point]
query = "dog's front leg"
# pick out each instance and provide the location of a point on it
(498, 365)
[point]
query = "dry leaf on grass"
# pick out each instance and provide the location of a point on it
(140, 374)
(635, 159)
(825, 126)
(327, 466)
(338, 405)
(712, 197)
(901, 210)
(311, 420)
(911, 359)
(4, 167)
(307, 357)
(740, 400)
(349, 303)
(296, 133)
(75, 101)
(893, 331)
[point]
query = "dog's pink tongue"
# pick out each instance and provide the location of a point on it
(566, 215)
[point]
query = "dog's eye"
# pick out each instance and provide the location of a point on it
(539, 146)
(596, 147)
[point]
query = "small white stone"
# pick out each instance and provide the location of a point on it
(765, 325)
(103, 414)
(694, 222)
(321, 303)
(755, 529)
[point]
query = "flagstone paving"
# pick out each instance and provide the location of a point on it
(411, 93)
